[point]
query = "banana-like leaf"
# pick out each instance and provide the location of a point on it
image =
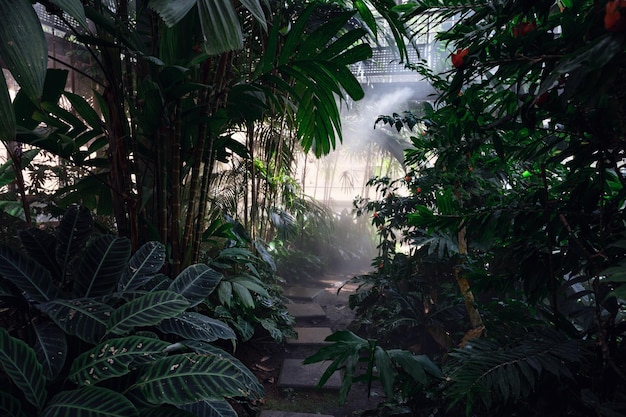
(19, 362)
(220, 26)
(40, 245)
(143, 265)
(147, 310)
(27, 275)
(189, 378)
(210, 408)
(74, 8)
(10, 406)
(196, 283)
(90, 402)
(51, 348)
(7, 115)
(84, 318)
(172, 12)
(204, 348)
(72, 233)
(191, 325)
(101, 266)
(23, 46)
(114, 358)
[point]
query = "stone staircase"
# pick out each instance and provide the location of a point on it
(314, 322)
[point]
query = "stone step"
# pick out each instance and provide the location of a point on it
(294, 374)
(272, 413)
(310, 336)
(302, 293)
(306, 311)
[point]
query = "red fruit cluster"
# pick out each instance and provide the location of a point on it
(458, 57)
(614, 20)
(524, 28)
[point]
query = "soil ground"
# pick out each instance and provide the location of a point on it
(265, 358)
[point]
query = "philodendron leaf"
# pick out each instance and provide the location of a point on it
(90, 402)
(101, 266)
(143, 265)
(23, 46)
(191, 325)
(7, 115)
(27, 275)
(196, 283)
(19, 362)
(147, 310)
(51, 348)
(114, 358)
(189, 378)
(84, 318)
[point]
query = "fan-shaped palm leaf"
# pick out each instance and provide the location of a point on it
(114, 358)
(196, 283)
(84, 318)
(51, 348)
(90, 402)
(19, 362)
(27, 275)
(101, 266)
(189, 378)
(143, 265)
(146, 310)
(197, 326)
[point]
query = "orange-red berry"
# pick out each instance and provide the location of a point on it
(524, 28)
(458, 57)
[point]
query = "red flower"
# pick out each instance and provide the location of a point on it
(613, 19)
(458, 57)
(523, 28)
(542, 99)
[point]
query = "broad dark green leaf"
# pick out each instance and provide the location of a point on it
(40, 245)
(90, 402)
(101, 266)
(19, 362)
(220, 26)
(23, 46)
(146, 310)
(72, 233)
(143, 265)
(189, 378)
(255, 8)
(172, 12)
(7, 115)
(51, 348)
(191, 325)
(27, 275)
(10, 406)
(114, 358)
(196, 283)
(84, 318)
(74, 8)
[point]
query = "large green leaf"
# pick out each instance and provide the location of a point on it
(172, 12)
(23, 46)
(28, 275)
(114, 358)
(143, 265)
(204, 348)
(19, 362)
(255, 8)
(84, 318)
(191, 325)
(210, 408)
(196, 283)
(72, 233)
(189, 378)
(51, 348)
(7, 115)
(40, 245)
(146, 310)
(101, 266)
(90, 402)
(74, 8)
(220, 26)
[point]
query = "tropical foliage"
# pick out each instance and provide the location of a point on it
(512, 213)
(88, 328)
